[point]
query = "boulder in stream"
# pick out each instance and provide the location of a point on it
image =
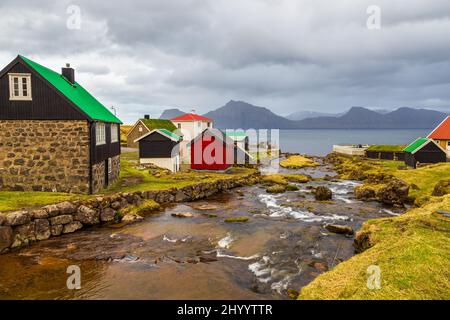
(394, 193)
(323, 193)
(182, 215)
(276, 189)
(339, 229)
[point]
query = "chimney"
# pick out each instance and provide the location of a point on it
(68, 73)
(147, 117)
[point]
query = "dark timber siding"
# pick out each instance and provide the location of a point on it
(157, 146)
(105, 151)
(428, 154)
(47, 103)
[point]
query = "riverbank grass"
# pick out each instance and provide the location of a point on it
(298, 162)
(412, 252)
(16, 200)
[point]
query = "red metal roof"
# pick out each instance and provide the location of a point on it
(442, 132)
(191, 117)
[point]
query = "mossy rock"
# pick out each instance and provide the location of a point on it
(291, 187)
(276, 189)
(146, 206)
(442, 188)
(237, 219)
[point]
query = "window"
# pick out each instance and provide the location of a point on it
(448, 143)
(140, 129)
(209, 124)
(114, 133)
(179, 126)
(19, 86)
(100, 133)
(438, 142)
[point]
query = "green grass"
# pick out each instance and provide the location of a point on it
(297, 162)
(132, 178)
(16, 200)
(387, 148)
(412, 252)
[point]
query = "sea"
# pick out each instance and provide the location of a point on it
(319, 142)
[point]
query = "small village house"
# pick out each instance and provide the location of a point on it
(424, 151)
(213, 150)
(54, 135)
(190, 125)
(441, 135)
(160, 147)
(145, 126)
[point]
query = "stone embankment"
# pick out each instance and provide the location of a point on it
(23, 227)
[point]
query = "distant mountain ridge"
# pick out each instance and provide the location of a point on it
(171, 113)
(242, 115)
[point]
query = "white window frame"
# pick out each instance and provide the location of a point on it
(114, 133)
(100, 133)
(21, 77)
(140, 128)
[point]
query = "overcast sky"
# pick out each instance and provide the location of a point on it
(144, 56)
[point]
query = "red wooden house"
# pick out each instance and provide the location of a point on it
(213, 150)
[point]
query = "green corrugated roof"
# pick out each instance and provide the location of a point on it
(171, 134)
(153, 124)
(416, 145)
(75, 93)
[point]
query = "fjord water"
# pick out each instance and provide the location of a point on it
(283, 246)
(319, 142)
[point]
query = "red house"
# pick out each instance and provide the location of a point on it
(213, 150)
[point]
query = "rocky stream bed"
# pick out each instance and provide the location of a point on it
(282, 246)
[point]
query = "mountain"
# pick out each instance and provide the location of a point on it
(239, 114)
(362, 118)
(242, 115)
(300, 115)
(171, 113)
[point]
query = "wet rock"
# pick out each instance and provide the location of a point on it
(442, 188)
(24, 234)
(276, 189)
(365, 193)
(18, 218)
(182, 214)
(56, 230)
(207, 259)
(339, 229)
(394, 193)
(132, 218)
(293, 294)
(66, 208)
(40, 214)
(52, 210)
(207, 207)
(2, 219)
(321, 266)
(6, 237)
(107, 215)
(323, 193)
(72, 227)
(43, 231)
(87, 216)
(64, 219)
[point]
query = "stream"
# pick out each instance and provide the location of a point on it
(282, 247)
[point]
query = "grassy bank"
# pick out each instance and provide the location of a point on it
(412, 251)
(423, 179)
(298, 162)
(132, 178)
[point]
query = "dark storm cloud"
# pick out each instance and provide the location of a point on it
(142, 56)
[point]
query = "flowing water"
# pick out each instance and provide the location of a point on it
(283, 246)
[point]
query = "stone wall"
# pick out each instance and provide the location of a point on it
(24, 227)
(98, 174)
(39, 155)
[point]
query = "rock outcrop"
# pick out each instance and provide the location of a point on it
(339, 229)
(442, 188)
(365, 193)
(394, 193)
